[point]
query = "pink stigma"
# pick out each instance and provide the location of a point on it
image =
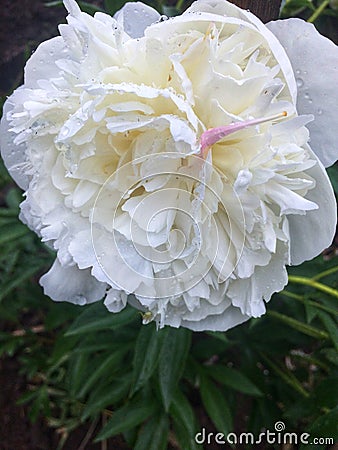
(214, 135)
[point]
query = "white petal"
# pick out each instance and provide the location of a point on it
(42, 64)
(70, 284)
(312, 233)
(230, 318)
(14, 155)
(226, 9)
(135, 17)
(72, 7)
(116, 300)
(314, 59)
(248, 293)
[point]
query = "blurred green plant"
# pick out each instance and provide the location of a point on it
(158, 388)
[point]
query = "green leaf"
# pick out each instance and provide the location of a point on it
(129, 416)
(154, 434)
(13, 232)
(185, 440)
(78, 373)
(13, 198)
(285, 375)
(170, 11)
(299, 326)
(106, 395)
(326, 425)
(85, 6)
(294, 7)
(216, 406)
(184, 421)
(234, 379)
(96, 317)
(102, 370)
(145, 355)
(18, 279)
(111, 6)
(219, 335)
(333, 174)
(182, 412)
(173, 354)
(331, 327)
(89, 8)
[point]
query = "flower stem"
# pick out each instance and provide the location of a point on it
(318, 11)
(325, 273)
(309, 330)
(309, 302)
(179, 5)
(314, 284)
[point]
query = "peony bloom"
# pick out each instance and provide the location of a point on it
(168, 162)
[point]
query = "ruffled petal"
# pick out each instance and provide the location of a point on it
(115, 300)
(220, 8)
(70, 284)
(135, 17)
(14, 155)
(42, 64)
(231, 317)
(312, 233)
(314, 59)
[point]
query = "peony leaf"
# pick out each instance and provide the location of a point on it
(154, 434)
(173, 353)
(103, 396)
(184, 420)
(216, 406)
(234, 379)
(96, 317)
(145, 356)
(129, 416)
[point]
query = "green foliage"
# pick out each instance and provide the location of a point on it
(323, 13)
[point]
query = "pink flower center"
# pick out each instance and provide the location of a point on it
(214, 135)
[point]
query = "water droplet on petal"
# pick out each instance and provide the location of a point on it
(80, 300)
(300, 82)
(319, 111)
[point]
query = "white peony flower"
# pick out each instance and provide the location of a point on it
(167, 161)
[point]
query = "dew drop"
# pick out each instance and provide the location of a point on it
(319, 112)
(300, 82)
(65, 131)
(298, 72)
(80, 300)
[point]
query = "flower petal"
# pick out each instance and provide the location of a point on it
(227, 9)
(70, 284)
(135, 17)
(230, 318)
(313, 232)
(14, 155)
(313, 57)
(42, 64)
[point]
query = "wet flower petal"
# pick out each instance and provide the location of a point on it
(106, 137)
(313, 57)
